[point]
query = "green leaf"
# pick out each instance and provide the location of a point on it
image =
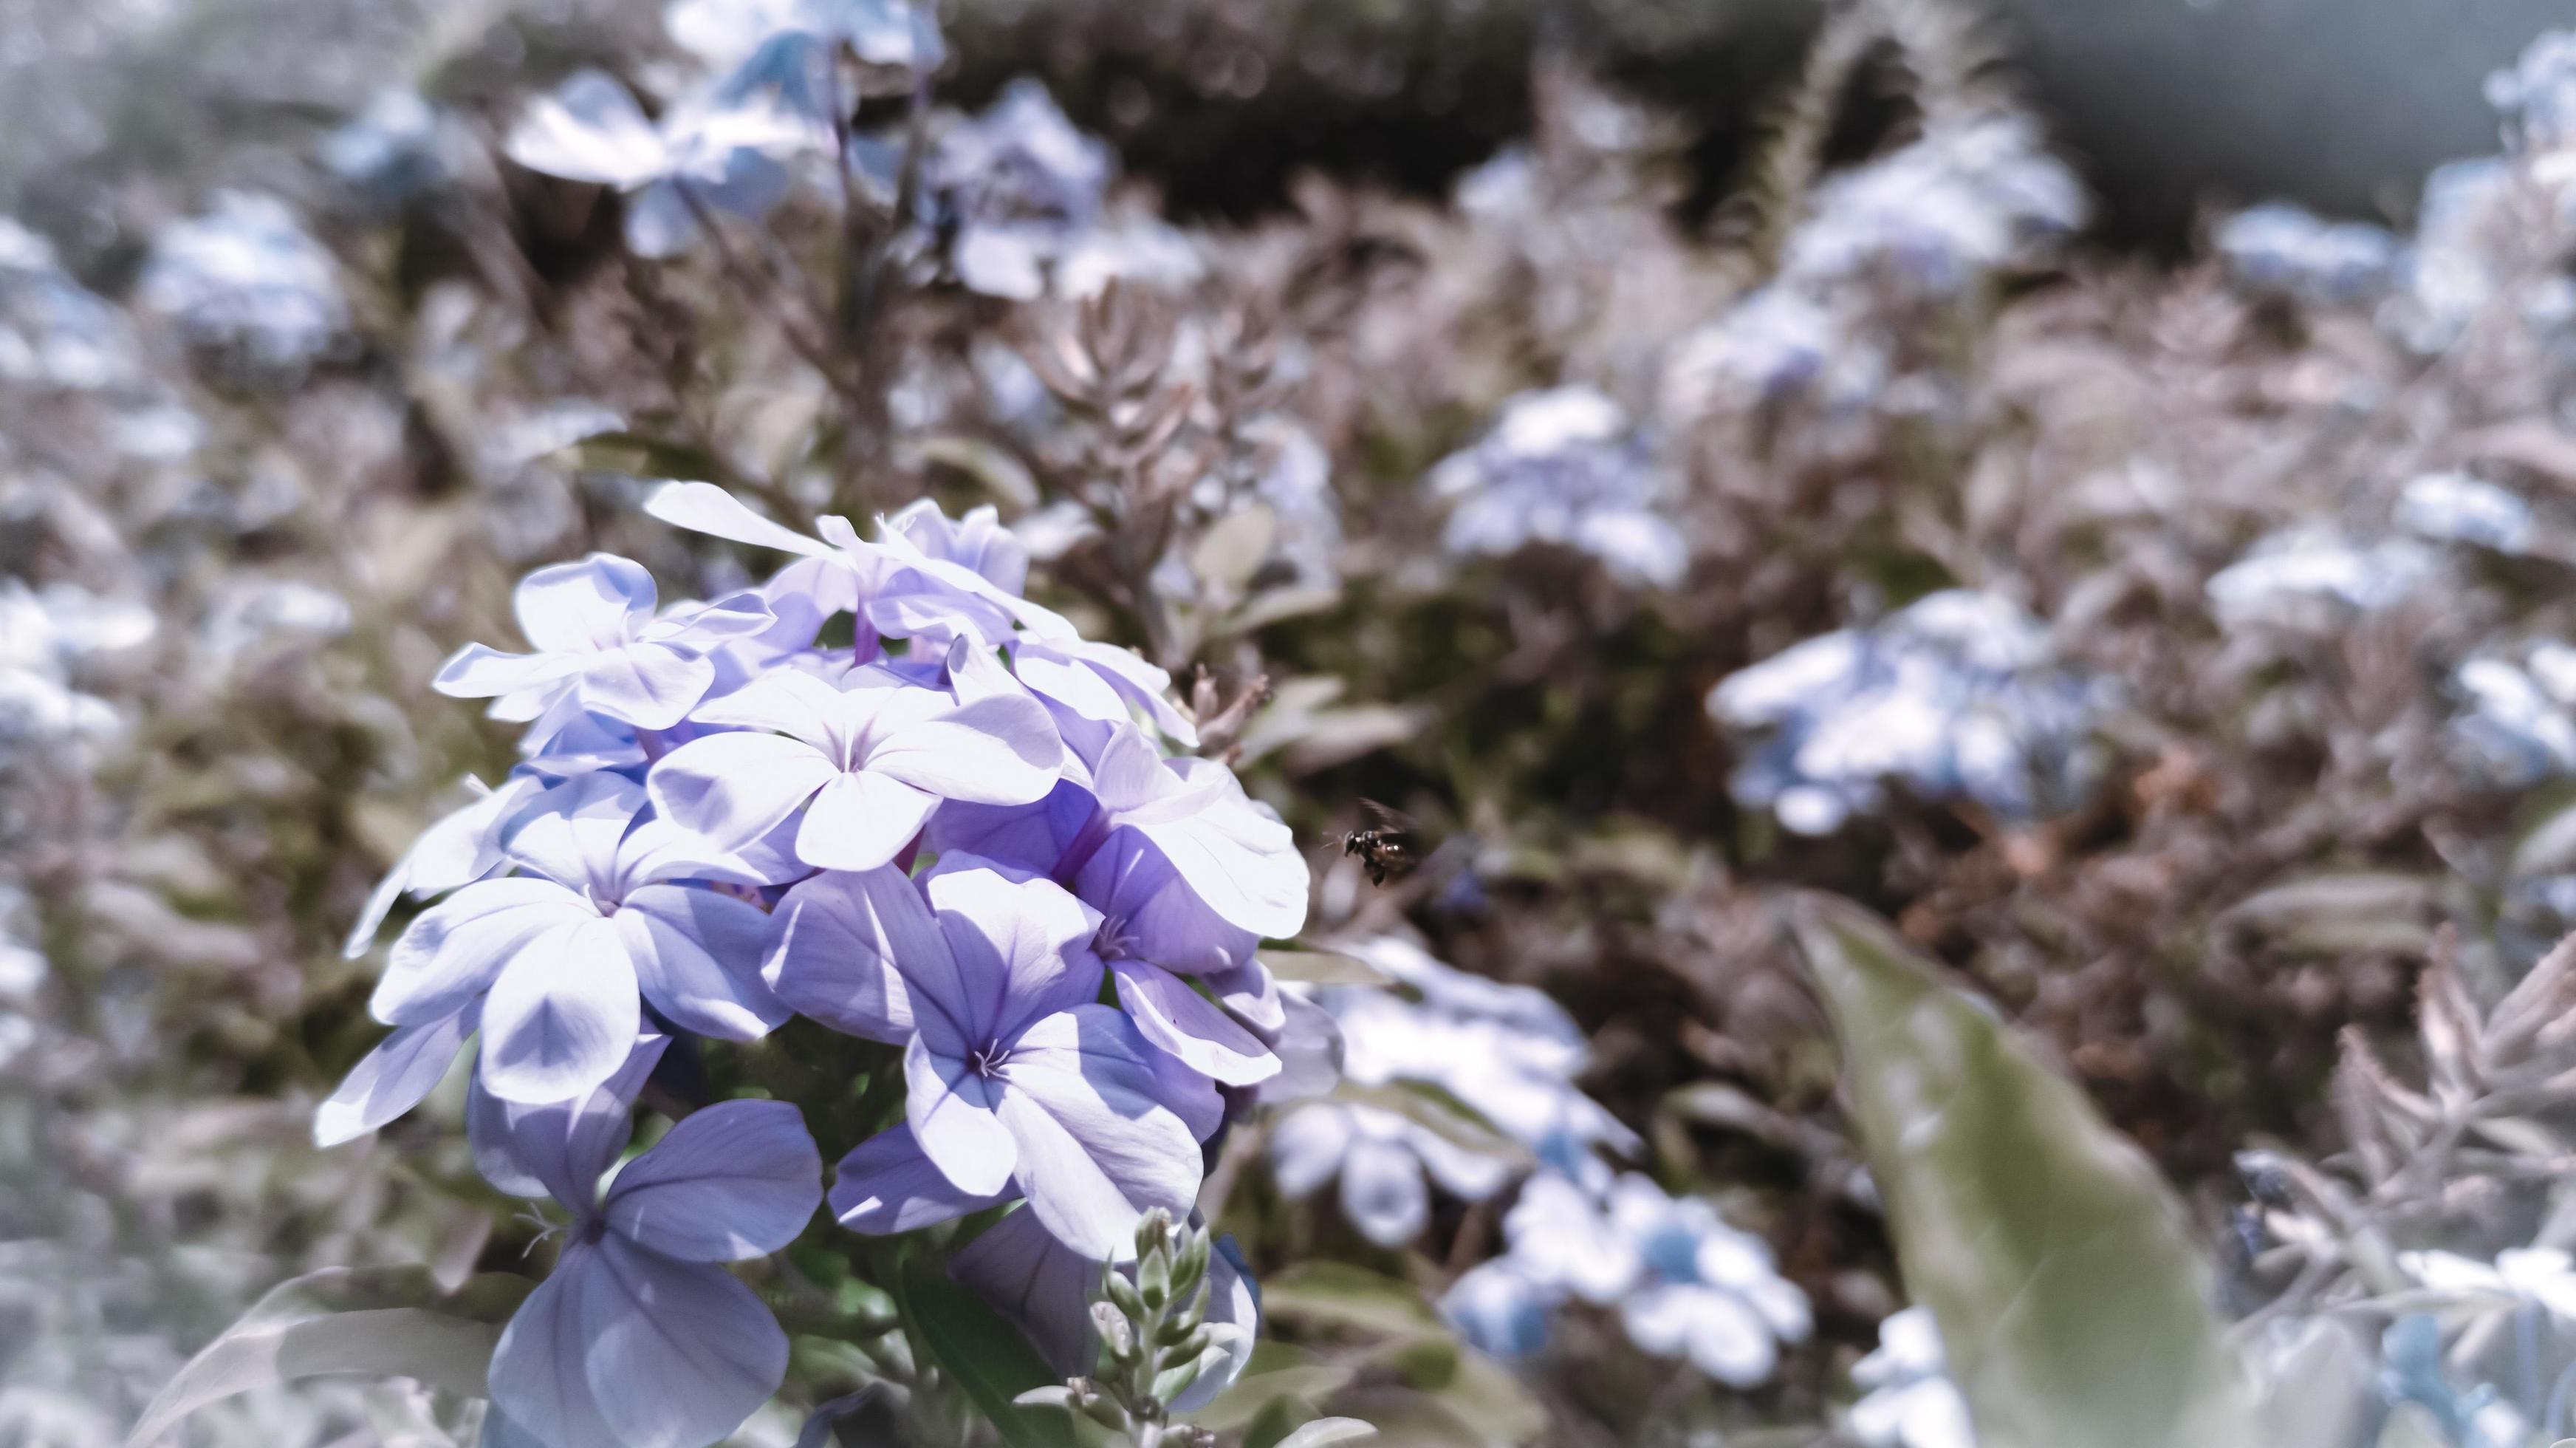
(1328, 1430)
(986, 1355)
(1337, 1294)
(1278, 1373)
(2047, 1247)
(391, 1322)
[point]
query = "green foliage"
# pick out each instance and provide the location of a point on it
(2069, 1298)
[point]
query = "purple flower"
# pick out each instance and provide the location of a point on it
(897, 585)
(556, 959)
(638, 1339)
(1231, 853)
(598, 646)
(461, 848)
(1016, 1077)
(867, 762)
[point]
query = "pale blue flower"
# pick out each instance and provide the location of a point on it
(1968, 198)
(392, 151)
(54, 332)
(1015, 1076)
(1502, 1309)
(1382, 1159)
(246, 278)
(725, 147)
(1911, 1402)
(1954, 696)
(599, 648)
(1685, 1283)
(2287, 249)
(614, 910)
(867, 763)
(1562, 467)
(2537, 93)
(1015, 191)
(725, 33)
(638, 1338)
(2313, 576)
(2458, 508)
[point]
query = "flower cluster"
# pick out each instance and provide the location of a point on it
(2289, 250)
(247, 281)
(1563, 467)
(1911, 1402)
(958, 836)
(1955, 696)
(1684, 1282)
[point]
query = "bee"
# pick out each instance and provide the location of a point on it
(1388, 848)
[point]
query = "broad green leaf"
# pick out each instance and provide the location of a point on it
(986, 1355)
(1001, 474)
(1278, 1372)
(2337, 915)
(1337, 1294)
(2053, 1256)
(390, 1322)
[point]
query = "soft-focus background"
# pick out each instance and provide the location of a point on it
(2092, 482)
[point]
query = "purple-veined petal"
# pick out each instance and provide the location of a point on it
(886, 1185)
(1306, 1148)
(452, 952)
(860, 821)
(540, 1369)
(1018, 949)
(478, 671)
(1096, 1144)
(570, 833)
(648, 685)
(560, 1148)
(1047, 1288)
(706, 508)
(1029, 837)
(739, 615)
(697, 959)
(679, 1353)
(561, 1016)
(950, 1109)
(736, 788)
(1383, 1193)
(730, 1181)
(390, 1080)
(832, 949)
(788, 702)
(1251, 996)
(584, 607)
(1237, 857)
(1155, 912)
(659, 850)
(999, 749)
(1190, 1026)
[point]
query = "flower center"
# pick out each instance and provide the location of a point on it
(1115, 940)
(989, 1058)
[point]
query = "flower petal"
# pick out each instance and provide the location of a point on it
(951, 1110)
(730, 1181)
(590, 129)
(1190, 1026)
(453, 950)
(648, 685)
(1020, 947)
(584, 607)
(1131, 881)
(1383, 1193)
(1095, 1143)
(1307, 1147)
(561, 1016)
(1047, 1288)
(478, 671)
(1235, 854)
(788, 701)
(697, 959)
(860, 821)
(540, 1377)
(560, 1148)
(390, 1080)
(679, 1354)
(832, 946)
(886, 1185)
(735, 788)
(706, 508)
(999, 749)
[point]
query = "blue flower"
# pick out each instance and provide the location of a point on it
(638, 1339)
(245, 278)
(1562, 467)
(2290, 250)
(1015, 191)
